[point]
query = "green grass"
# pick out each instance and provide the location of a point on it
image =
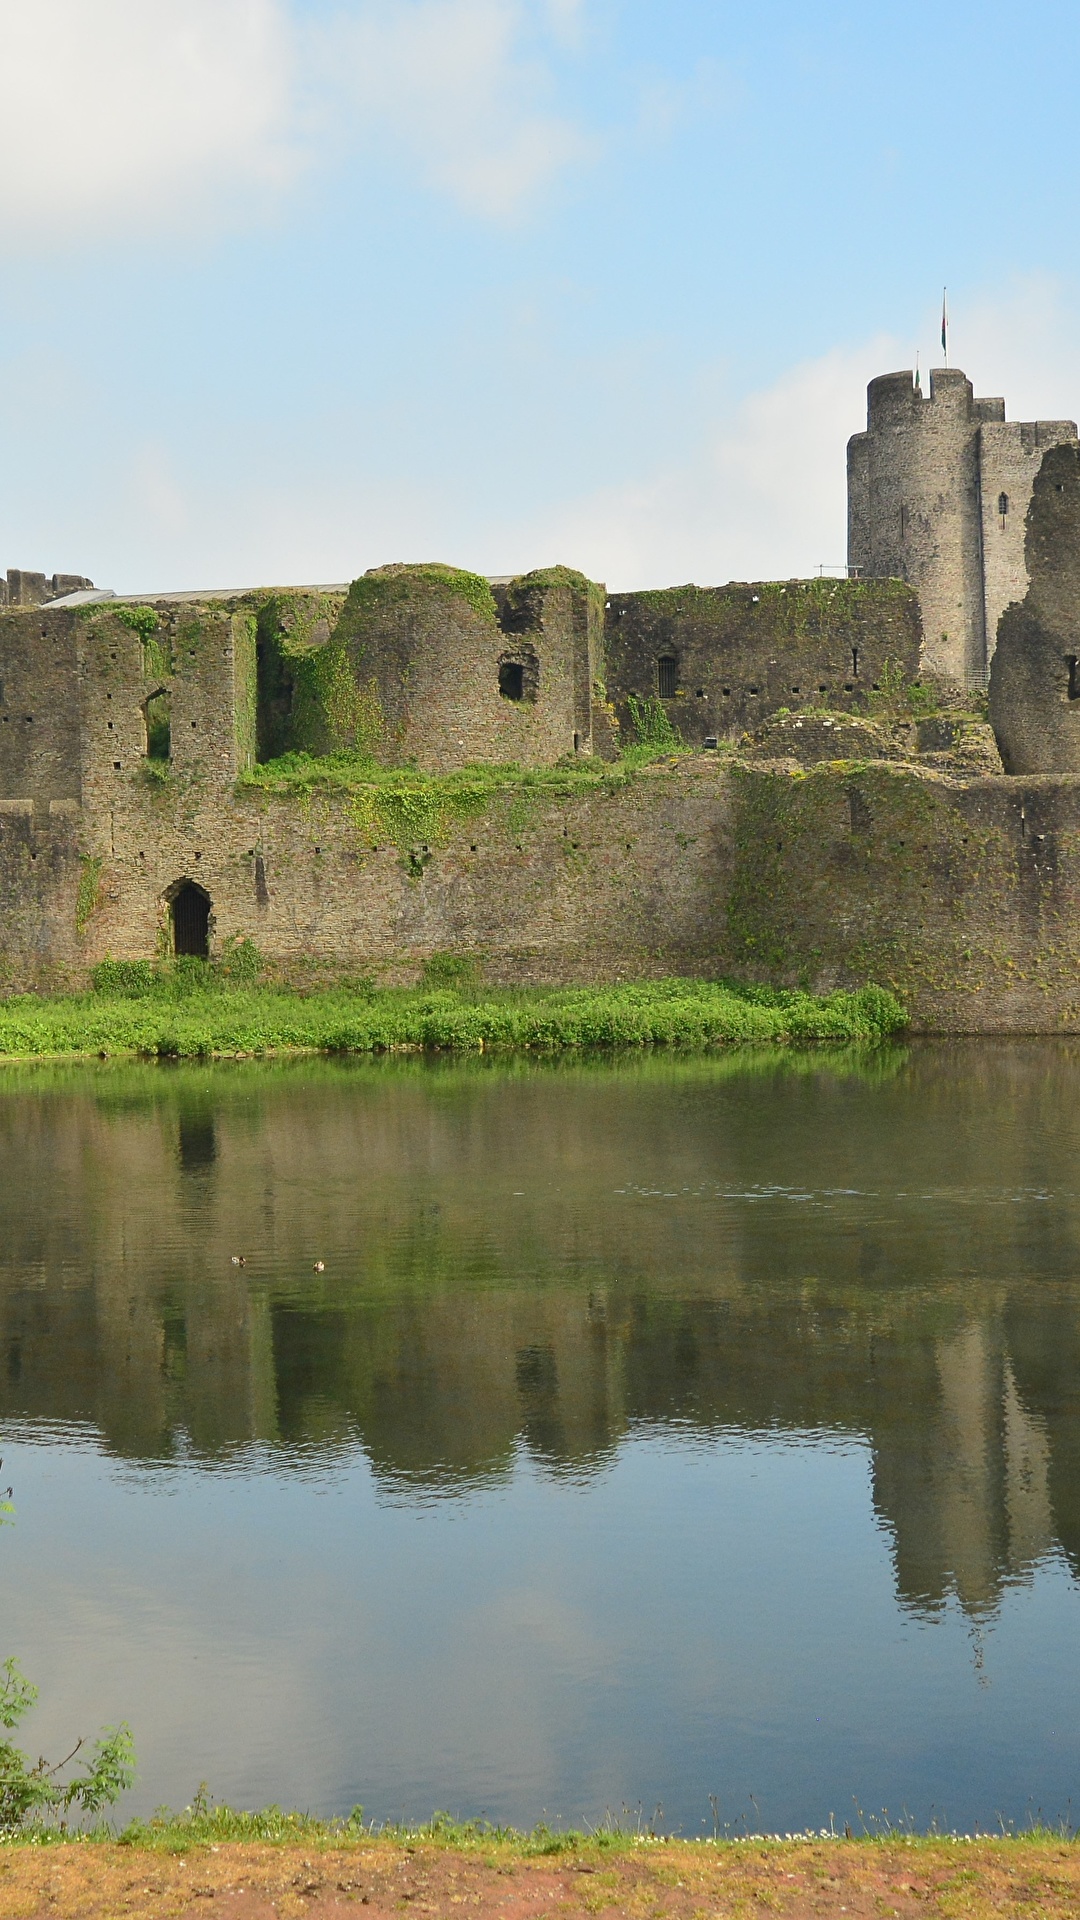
(206, 1824)
(191, 1012)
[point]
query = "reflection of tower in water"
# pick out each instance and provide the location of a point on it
(968, 1489)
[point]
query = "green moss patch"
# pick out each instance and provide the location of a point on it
(408, 807)
(793, 609)
(390, 587)
(88, 897)
(840, 871)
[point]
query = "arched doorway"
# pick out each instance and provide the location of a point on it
(190, 910)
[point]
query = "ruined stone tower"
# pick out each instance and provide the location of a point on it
(938, 492)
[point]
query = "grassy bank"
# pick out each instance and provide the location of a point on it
(191, 1012)
(444, 1870)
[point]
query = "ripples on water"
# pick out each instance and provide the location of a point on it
(658, 1429)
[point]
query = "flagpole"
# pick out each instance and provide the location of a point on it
(945, 323)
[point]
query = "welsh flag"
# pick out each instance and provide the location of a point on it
(945, 325)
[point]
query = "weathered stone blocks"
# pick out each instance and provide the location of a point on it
(1035, 676)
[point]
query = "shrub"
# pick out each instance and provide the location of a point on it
(129, 979)
(33, 1790)
(451, 970)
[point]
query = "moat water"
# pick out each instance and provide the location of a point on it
(653, 1430)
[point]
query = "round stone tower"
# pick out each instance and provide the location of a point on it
(914, 508)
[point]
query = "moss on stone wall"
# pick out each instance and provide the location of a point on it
(88, 896)
(390, 587)
(793, 610)
(332, 711)
(245, 687)
(141, 620)
(526, 592)
(307, 696)
(156, 639)
(415, 810)
(856, 872)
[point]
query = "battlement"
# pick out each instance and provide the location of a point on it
(894, 397)
(22, 589)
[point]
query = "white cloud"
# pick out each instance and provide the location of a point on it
(452, 85)
(760, 495)
(121, 113)
(133, 109)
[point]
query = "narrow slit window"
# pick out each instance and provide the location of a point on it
(1074, 677)
(667, 672)
(854, 663)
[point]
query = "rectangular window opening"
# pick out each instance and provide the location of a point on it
(512, 679)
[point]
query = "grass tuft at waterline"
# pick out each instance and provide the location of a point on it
(191, 1012)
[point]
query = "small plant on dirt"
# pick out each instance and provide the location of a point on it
(33, 1791)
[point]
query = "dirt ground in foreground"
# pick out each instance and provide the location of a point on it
(375, 1880)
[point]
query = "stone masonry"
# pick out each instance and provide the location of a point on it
(938, 491)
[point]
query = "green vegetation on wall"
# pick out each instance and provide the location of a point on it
(793, 609)
(389, 587)
(839, 871)
(651, 725)
(88, 897)
(334, 712)
(141, 620)
(158, 727)
(525, 594)
(414, 810)
(157, 661)
(245, 687)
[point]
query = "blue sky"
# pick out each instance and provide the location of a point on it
(290, 288)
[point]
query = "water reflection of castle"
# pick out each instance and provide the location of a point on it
(492, 1283)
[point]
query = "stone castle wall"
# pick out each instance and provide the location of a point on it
(1010, 456)
(741, 652)
(24, 589)
(409, 667)
(963, 894)
(1035, 675)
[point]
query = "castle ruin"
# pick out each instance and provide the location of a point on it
(185, 773)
